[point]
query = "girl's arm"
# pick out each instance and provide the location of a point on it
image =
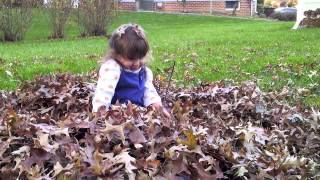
(109, 75)
(151, 97)
(150, 94)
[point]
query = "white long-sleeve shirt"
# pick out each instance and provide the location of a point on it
(109, 75)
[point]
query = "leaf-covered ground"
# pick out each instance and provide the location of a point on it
(205, 48)
(218, 131)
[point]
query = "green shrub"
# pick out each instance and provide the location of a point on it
(15, 18)
(59, 13)
(94, 16)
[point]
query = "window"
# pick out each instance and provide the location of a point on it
(232, 4)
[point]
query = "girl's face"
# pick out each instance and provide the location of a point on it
(131, 64)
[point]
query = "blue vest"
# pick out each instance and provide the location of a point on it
(130, 87)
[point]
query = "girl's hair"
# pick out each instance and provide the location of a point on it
(129, 41)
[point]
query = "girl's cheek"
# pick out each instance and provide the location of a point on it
(142, 62)
(126, 64)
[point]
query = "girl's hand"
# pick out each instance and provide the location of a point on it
(158, 107)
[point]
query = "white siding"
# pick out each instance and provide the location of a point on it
(76, 2)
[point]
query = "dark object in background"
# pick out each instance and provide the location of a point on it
(285, 14)
(268, 11)
(260, 8)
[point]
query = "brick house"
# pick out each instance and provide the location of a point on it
(224, 7)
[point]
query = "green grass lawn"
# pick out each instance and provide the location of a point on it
(205, 48)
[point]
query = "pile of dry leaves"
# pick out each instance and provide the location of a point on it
(217, 132)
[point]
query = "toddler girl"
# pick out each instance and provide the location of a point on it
(123, 76)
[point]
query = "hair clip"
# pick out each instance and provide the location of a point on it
(138, 29)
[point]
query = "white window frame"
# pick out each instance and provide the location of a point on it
(231, 9)
(126, 1)
(188, 0)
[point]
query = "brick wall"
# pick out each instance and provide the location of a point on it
(195, 6)
(191, 6)
(245, 8)
(129, 6)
